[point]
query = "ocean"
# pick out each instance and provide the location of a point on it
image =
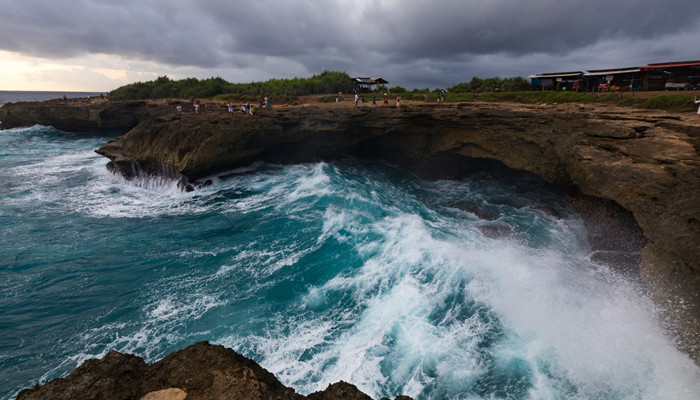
(9, 96)
(351, 270)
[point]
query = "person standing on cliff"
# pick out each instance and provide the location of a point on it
(196, 106)
(698, 102)
(356, 99)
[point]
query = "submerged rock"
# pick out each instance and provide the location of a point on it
(200, 371)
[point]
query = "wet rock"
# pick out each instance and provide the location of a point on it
(497, 231)
(201, 371)
(339, 390)
(478, 211)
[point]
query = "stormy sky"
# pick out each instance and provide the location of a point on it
(103, 44)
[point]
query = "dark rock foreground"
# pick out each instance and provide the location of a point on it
(200, 371)
(632, 174)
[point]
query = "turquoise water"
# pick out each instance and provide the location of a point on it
(320, 272)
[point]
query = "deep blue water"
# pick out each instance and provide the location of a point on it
(320, 272)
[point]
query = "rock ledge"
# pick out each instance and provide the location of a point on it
(200, 371)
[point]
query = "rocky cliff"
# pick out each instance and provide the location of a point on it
(96, 116)
(614, 163)
(200, 371)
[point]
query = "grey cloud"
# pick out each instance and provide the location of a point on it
(415, 41)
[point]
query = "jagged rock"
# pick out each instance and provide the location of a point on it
(339, 390)
(201, 371)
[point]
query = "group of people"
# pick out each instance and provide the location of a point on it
(440, 97)
(263, 103)
(65, 99)
(360, 100)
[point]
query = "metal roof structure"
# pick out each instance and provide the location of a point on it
(676, 64)
(371, 81)
(616, 71)
(551, 75)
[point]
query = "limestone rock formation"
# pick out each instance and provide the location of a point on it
(107, 116)
(200, 371)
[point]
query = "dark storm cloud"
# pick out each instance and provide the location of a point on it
(416, 41)
(445, 28)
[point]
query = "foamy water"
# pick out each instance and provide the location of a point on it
(349, 271)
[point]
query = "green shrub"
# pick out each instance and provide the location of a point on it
(278, 89)
(477, 85)
(671, 102)
(631, 102)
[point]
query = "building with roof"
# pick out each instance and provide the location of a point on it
(364, 85)
(682, 75)
(616, 79)
(673, 75)
(557, 80)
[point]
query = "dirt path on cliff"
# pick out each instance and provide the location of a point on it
(327, 101)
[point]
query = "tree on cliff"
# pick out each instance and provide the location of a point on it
(164, 87)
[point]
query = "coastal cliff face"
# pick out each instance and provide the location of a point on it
(200, 371)
(631, 165)
(106, 116)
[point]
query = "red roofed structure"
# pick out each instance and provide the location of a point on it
(671, 65)
(677, 75)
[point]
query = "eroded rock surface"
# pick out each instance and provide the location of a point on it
(200, 371)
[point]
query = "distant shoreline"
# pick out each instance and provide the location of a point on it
(15, 96)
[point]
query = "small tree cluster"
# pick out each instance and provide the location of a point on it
(164, 87)
(477, 85)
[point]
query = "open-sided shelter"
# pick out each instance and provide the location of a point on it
(614, 79)
(557, 80)
(672, 75)
(363, 85)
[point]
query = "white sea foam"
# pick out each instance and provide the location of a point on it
(428, 306)
(567, 324)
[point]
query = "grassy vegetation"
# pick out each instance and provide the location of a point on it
(670, 102)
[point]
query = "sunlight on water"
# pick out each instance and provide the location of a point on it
(351, 271)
